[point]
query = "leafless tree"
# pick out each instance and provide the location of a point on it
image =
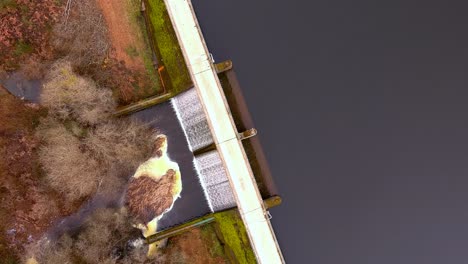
(67, 168)
(82, 37)
(107, 236)
(70, 96)
(122, 141)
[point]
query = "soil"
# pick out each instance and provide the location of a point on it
(197, 246)
(130, 50)
(27, 206)
(122, 34)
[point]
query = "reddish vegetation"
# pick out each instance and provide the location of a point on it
(126, 39)
(124, 81)
(193, 247)
(26, 42)
(24, 30)
(27, 207)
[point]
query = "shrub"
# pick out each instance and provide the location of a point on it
(22, 48)
(126, 142)
(106, 236)
(85, 149)
(67, 168)
(82, 36)
(70, 96)
(33, 69)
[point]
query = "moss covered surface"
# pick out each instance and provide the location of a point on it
(208, 234)
(144, 50)
(199, 245)
(232, 229)
(166, 46)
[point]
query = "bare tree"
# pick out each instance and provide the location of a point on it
(67, 168)
(70, 96)
(82, 37)
(107, 236)
(127, 142)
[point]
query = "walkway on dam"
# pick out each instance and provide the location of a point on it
(224, 132)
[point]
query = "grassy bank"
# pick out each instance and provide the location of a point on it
(235, 236)
(144, 50)
(166, 46)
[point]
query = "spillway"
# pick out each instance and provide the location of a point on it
(214, 180)
(193, 120)
(210, 169)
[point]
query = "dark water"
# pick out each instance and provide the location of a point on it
(22, 88)
(192, 202)
(362, 108)
(74, 222)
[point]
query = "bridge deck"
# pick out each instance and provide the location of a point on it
(225, 135)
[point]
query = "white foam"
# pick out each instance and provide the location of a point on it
(189, 111)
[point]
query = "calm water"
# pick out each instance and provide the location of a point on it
(22, 88)
(192, 202)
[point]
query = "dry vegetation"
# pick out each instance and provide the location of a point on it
(70, 96)
(67, 168)
(106, 237)
(82, 37)
(34, 34)
(27, 205)
(55, 159)
(24, 31)
(84, 149)
(120, 142)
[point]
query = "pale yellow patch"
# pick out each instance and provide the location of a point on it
(156, 167)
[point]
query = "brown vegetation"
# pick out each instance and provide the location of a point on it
(131, 48)
(82, 37)
(196, 246)
(84, 149)
(126, 42)
(70, 96)
(24, 30)
(27, 206)
(148, 198)
(68, 169)
(123, 141)
(33, 34)
(106, 237)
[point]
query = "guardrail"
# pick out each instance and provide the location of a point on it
(224, 131)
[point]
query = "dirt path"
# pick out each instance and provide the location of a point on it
(126, 38)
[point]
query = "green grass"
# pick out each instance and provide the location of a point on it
(167, 46)
(235, 235)
(22, 48)
(7, 3)
(132, 51)
(138, 24)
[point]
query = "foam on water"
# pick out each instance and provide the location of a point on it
(209, 166)
(189, 111)
(214, 181)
